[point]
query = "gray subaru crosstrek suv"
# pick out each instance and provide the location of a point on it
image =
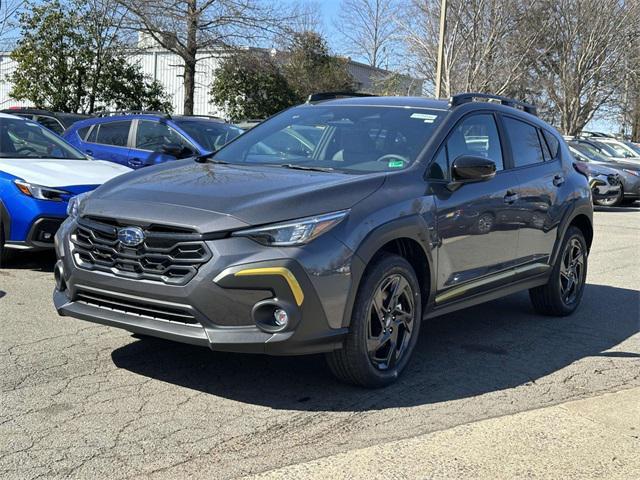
(338, 226)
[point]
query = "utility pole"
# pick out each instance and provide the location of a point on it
(443, 25)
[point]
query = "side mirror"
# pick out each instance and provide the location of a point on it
(176, 150)
(470, 168)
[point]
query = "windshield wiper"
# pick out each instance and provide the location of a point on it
(304, 167)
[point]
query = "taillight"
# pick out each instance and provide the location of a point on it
(582, 168)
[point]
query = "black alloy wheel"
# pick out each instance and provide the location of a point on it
(572, 270)
(390, 317)
(385, 324)
(562, 293)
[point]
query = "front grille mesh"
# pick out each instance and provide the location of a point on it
(136, 308)
(169, 256)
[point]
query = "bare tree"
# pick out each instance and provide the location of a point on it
(103, 20)
(9, 10)
(630, 92)
(580, 63)
(484, 48)
(303, 17)
(186, 27)
(367, 28)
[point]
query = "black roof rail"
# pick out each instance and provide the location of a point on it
(212, 117)
(133, 112)
(462, 98)
(323, 96)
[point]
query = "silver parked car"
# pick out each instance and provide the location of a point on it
(605, 182)
(622, 148)
(590, 152)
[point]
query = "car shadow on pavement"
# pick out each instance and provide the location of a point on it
(40, 261)
(491, 347)
(630, 208)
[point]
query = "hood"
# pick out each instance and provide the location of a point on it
(61, 173)
(210, 197)
(620, 163)
(599, 168)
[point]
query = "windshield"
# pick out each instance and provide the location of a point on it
(622, 149)
(27, 139)
(211, 135)
(605, 148)
(634, 147)
(348, 138)
(590, 152)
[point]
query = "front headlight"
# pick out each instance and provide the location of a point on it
(635, 173)
(39, 192)
(74, 204)
(295, 232)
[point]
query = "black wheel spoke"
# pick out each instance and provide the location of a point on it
(392, 355)
(378, 307)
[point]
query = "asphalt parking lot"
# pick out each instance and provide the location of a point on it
(87, 401)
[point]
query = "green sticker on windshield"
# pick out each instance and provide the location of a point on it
(395, 164)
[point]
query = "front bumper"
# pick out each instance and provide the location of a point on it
(603, 188)
(218, 307)
(631, 186)
(41, 235)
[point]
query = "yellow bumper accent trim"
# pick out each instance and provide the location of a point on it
(280, 271)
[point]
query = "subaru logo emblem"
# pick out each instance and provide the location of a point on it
(131, 236)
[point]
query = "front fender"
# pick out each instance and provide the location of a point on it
(414, 228)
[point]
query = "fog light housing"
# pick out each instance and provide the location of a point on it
(281, 317)
(58, 275)
(274, 316)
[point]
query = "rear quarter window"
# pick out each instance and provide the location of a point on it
(552, 142)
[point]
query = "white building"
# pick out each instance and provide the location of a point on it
(167, 68)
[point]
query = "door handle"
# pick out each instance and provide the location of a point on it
(89, 152)
(511, 197)
(558, 180)
(135, 162)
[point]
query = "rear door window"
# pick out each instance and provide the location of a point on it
(525, 142)
(82, 132)
(113, 133)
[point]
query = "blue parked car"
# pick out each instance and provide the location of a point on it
(139, 140)
(39, 173)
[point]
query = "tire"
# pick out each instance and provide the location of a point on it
(5, 253)
(611, 202)
(367, 359)
(560, 297)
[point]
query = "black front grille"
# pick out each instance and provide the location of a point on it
(166, 255)
(136, 308)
